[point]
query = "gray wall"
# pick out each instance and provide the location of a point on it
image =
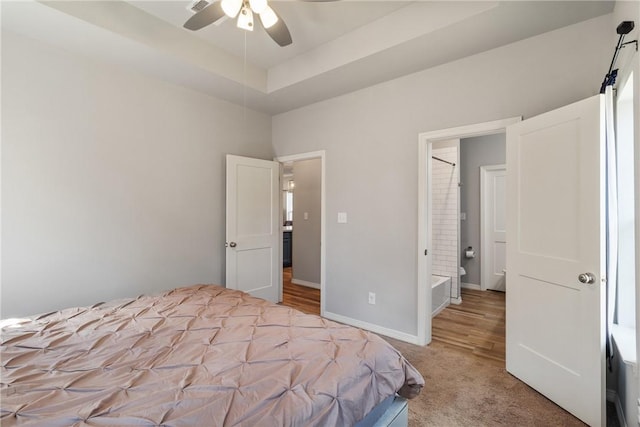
(475, 152)
(306, 232)
(371, 142)
(112, 183)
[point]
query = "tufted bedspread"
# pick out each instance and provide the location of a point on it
(195, 356)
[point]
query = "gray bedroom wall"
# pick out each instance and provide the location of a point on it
(371, 142)
(475, 152)
(306, 232)
(113, 184)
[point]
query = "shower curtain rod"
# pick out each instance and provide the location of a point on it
(442, 160)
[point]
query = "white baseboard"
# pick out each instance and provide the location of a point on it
(456, 300)
(470, 286)
(305, 283)
(402, 336)
(612, 396)
(438, 310)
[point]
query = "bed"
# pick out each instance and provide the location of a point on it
(196, 356)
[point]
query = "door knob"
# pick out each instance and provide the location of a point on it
(586, 278)
(233, 244)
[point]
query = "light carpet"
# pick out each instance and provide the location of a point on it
(466, 390)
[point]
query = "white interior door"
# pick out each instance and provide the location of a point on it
(494, 226)
(555, 223)
(253, 227)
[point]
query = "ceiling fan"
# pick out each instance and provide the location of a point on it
(244, 10)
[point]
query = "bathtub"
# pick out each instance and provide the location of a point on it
(440, 293)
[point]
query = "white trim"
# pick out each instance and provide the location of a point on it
(437, 311)
(424, 215)
(323, 223)
(392, 333)
(484, 224)
(471, 286)
(456, 301)
(468, 131)
(424, 286)
(636, 166)
(625, 340)
(305, 283)
(459, 227)
(302, 156)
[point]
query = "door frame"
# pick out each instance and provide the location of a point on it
(424, 246)
(308, 156)
(484, 223)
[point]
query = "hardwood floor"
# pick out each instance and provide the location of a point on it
(476, 326)
(299, 297)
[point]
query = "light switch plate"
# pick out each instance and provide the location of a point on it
(306, 216)
(342, 217)
(372, 298)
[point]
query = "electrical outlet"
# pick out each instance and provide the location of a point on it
(372, 298)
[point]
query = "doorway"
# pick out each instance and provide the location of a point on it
(303, 225)
(462, 170)
(467, 180)
(482, 211)
(493, 227)
(425, 211)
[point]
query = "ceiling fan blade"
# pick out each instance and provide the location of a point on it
(279, 32)
(206, 16)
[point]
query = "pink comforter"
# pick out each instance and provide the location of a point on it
(195, 356)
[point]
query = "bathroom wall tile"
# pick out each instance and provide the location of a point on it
(445, 201)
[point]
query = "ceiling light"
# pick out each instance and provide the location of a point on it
(231, 7)
(245, 18)
(258, 6)
(268, 17)
(243, 10)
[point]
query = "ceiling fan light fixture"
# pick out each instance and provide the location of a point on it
(231, 7)
(268, 17)
(245, 19)
(258, 6)
(242, 11)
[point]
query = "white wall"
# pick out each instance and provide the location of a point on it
(474, 153)
(370, 138)
(112, 183)
(306, 232)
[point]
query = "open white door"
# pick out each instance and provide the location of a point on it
(556, 256)
(253, 227)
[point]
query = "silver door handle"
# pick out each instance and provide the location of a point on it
(587, 278)
(233, 244)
